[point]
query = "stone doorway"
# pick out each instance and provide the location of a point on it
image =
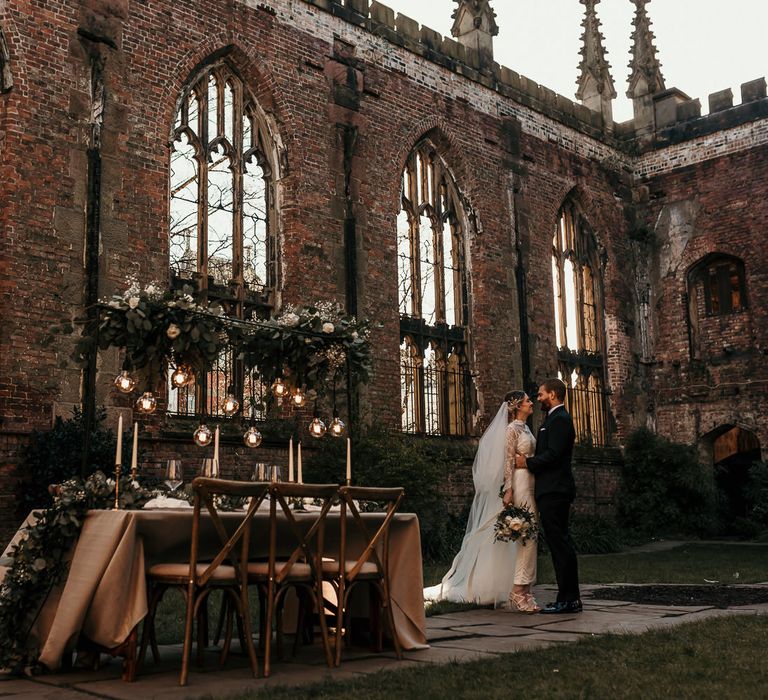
(734, 450)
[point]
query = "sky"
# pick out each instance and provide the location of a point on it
(704, 45)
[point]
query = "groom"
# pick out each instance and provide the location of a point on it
(555, 491)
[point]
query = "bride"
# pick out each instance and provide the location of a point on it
(485, 571)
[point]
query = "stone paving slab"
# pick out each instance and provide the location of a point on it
(495, 645)
(599, 603)
(435, 635)
(494, 630)
(447, 655)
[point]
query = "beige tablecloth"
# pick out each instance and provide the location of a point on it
(104, 596)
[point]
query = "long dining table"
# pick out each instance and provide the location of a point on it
(104, 597)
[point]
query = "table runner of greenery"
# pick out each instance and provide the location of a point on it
(39, 561)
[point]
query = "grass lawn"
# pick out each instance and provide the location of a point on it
(689, 563)
(722, 658)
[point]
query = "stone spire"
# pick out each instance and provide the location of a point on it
(645, 77)
(596, 89)
(474, 26)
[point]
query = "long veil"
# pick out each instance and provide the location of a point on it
(483, 570)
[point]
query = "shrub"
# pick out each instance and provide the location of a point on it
(384, 459)
(757, 496)
(596, 535)
(55, 455)
(664, 489)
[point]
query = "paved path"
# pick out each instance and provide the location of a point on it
(459, 636)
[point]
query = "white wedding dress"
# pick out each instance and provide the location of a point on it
(482, 571)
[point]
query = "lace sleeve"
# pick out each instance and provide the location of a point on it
(509, 456)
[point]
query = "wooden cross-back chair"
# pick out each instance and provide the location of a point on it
(299, 565)
(368, 567)
(225, 570)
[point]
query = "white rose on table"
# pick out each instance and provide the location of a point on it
(133, 302)
(173, 331)
(328, 328)
(290, 320)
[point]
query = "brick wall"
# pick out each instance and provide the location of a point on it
(516, 151)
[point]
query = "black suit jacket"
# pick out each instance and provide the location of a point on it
(551, 464)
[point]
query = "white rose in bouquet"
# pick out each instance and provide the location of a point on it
(328, 328)
(173, 331)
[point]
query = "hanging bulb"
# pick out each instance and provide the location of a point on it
(298, 398)
(182, 376)
(317, 428)
(337, 427)
(252, 437)
(230, 405)
(125, 382)
(203, 435)
(146, 403)
(279, 388)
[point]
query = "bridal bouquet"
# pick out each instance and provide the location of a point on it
(515, 524)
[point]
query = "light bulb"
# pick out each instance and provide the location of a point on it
(230, 405)
(146, 403)
(337, 427)
(203, 435)
(317, 428)
(182, 376)
(252, 437)
(279, 389)
(125, 382)
(298, 399)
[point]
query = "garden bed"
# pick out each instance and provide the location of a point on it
(716, 596)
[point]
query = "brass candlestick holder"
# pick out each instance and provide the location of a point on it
(118, 468)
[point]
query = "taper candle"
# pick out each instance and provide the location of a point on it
(216, 445)
(349, 461)
(298, 459)
(290, 460)
(135, 453)
(119, 451)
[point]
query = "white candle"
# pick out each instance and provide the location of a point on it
(290, 459)
(349, 461)
(135, 454)
(216, 445)
(119, 452)
(301, 476)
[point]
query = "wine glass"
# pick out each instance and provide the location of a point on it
(260, 472)
(174, 475)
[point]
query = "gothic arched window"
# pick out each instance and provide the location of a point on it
(222, 217)
(578, 324)
(432, 288)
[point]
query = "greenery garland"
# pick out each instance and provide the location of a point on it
(38, 562)
(311, 347)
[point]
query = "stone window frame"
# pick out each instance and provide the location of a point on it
(435, 376)
(699, 308)
(583, 367)
(6, 77)
(236, 297)
(721, 275)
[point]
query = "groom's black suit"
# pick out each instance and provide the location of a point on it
(555, 491)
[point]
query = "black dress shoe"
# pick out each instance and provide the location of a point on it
(562, 608)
